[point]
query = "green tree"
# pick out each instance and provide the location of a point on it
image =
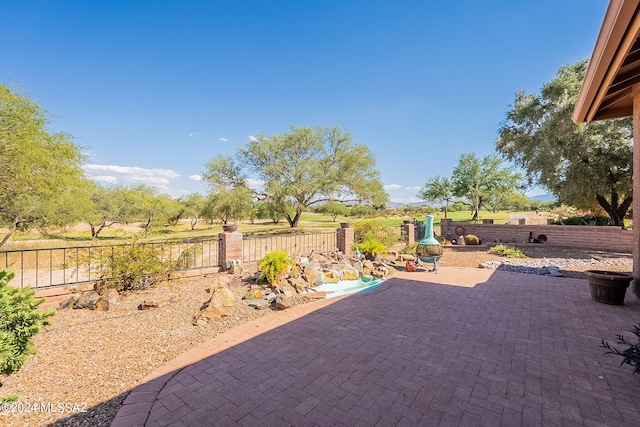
(194, 205)
(19, 322)
(334, 209)
(301, 168)
(118, 205)
(584, 165)
(477, 180)
(171, 210)
(438, 190)
(266, 210)
(40, 170)
(228, 204)
(517, 201)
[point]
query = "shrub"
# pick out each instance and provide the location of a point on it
(132, 267)
(188, 257)
(410, 249)
(584, 220)
(507, 251)
(384, 234)
(370, 245)
(471, 239)
(631, 355)
(443, 240)
(19, 322)
(273, 264)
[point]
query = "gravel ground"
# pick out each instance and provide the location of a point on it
(90, 360)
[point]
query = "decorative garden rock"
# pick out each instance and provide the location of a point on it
(87, 300)
(282, 302)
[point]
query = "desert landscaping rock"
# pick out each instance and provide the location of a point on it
(87, 300)
(551, 266)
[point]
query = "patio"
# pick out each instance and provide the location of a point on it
(463, 347)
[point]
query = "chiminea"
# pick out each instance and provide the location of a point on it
(429, 249)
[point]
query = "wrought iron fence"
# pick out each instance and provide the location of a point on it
(255, 247)
(50, 267)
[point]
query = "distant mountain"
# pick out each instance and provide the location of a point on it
(548, 197)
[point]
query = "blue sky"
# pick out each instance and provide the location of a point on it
(153, 89)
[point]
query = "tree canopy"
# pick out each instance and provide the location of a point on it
(480, 179)
(438, 190)
(40, 170)
(584, 165)
(300, 168)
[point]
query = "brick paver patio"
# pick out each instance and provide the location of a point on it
(465, 347)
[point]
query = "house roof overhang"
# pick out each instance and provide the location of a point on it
(614, 69)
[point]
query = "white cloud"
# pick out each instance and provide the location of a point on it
(253, 138)
(114, 174)
(255, 184)
(192, 134)
(224, 139)
(195, 178)
(108, 179)
(412, 188)
(392, 186)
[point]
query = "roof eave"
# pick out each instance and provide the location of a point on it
(614, 41)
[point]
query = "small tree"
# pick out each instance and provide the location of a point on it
(228, 204)
(335, 209)
(19, 322)
(478, 180)
(438, 190)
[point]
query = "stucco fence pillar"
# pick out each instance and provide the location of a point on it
(229, 249)
(344, 239)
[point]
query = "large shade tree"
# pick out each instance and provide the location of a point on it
(40, 170)
(584, 165)
(300, 168)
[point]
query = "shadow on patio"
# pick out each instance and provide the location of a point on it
(503, 348)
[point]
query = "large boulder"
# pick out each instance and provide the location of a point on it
(311, 275)
(220, 304)
(87, 300)
(298, 284)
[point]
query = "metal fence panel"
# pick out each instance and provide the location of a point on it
(50, 267)
(256, 247)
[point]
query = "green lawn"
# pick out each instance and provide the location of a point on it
(309, 222)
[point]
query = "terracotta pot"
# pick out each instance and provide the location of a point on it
(345, 224)
(229, 228)
(608, 287)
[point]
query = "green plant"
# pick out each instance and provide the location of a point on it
(19, 322)
(382, 233)
(273, 264)
(507, 251)
(189, 256)
(631, 355)
(132, 267)
(585, 220)
(471, 239)
(443, 240)
(371, 245)
(410, 249)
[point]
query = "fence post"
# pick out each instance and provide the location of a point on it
(409, 231)
(445, 228)
(229, 249)
(345, 239)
